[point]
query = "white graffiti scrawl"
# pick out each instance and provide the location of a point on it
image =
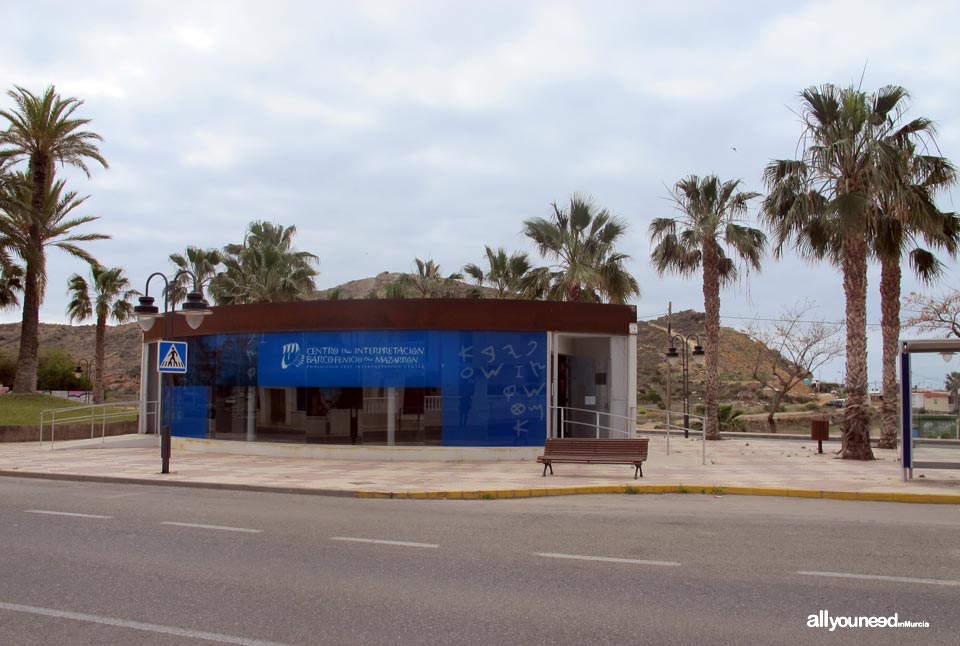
(511, 372)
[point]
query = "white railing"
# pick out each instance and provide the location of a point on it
(379, 404)
(594, 424)
(687, 430)
(94, 414)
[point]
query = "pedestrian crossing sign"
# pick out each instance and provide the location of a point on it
(172, 357)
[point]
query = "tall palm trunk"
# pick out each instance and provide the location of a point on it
(711, 303)
(26, 378)
(98, 359)
(856, 417)
(890, 276)
(41, 174)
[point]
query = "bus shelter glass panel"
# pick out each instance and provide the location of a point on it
(934, 380)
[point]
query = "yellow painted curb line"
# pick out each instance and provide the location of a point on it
(926, 498)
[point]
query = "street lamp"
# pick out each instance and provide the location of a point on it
(78, 372)
(194, 309)
(683, 358)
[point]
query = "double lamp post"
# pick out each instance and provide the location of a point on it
(683, 358)
(194, 309)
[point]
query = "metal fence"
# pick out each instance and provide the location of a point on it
(95, 415)
(583, 422)
(687, 430)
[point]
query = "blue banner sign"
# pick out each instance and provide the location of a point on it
(486, 388)
(349, 359)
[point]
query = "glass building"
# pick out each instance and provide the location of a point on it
(434, 372)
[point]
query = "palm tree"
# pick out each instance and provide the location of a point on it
(201, 263)
(28, 236)
(42, 131)
(106, 295)
(906, 212)
(709, 226)
(265, 268)
(730, 420)
(581, 239)
(827, 204)
(428, 281)
(505, 274)
(11, 283)
(11, 274)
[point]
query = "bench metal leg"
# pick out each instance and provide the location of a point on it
(545, 465)
(639, 470)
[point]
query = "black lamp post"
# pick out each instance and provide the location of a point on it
(195, 308)
(79, 371)
(674, 358)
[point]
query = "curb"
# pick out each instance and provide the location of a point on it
(916, 498)
(223, 486)
(497, 494)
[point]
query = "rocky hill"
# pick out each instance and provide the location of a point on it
(122, 361)
(380, 286)
(739, 357)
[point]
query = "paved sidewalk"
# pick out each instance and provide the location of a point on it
(740, 466)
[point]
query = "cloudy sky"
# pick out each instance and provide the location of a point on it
(386, 131)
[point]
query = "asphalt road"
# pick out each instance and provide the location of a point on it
(86, 563)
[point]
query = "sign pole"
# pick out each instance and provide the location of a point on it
(167, 386)
(171, 359)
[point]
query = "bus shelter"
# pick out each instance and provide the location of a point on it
(930, 416)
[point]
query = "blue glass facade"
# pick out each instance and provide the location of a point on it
(452, 388)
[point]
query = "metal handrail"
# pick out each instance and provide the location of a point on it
(74, 414)
(703, 431)
(596, 425)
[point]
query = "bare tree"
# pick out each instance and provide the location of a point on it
(792, 348)
(938, 315)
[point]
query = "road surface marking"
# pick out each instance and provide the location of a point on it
(64, 513)
(220, 527)
(604, 559)
(137, 625)
(880, 577)
(377, 541)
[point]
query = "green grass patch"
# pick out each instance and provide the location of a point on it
(24, 410)
(682, 489)
(631, 490)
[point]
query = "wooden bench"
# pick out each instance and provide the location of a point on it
(590, 451)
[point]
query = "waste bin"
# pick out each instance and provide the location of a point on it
(819, 431)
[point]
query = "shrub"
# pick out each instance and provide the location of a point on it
(730, 419)
(55, 371)
(8, 368)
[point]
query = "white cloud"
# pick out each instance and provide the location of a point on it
(302, 107)
(217, 150)
(196, 37)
